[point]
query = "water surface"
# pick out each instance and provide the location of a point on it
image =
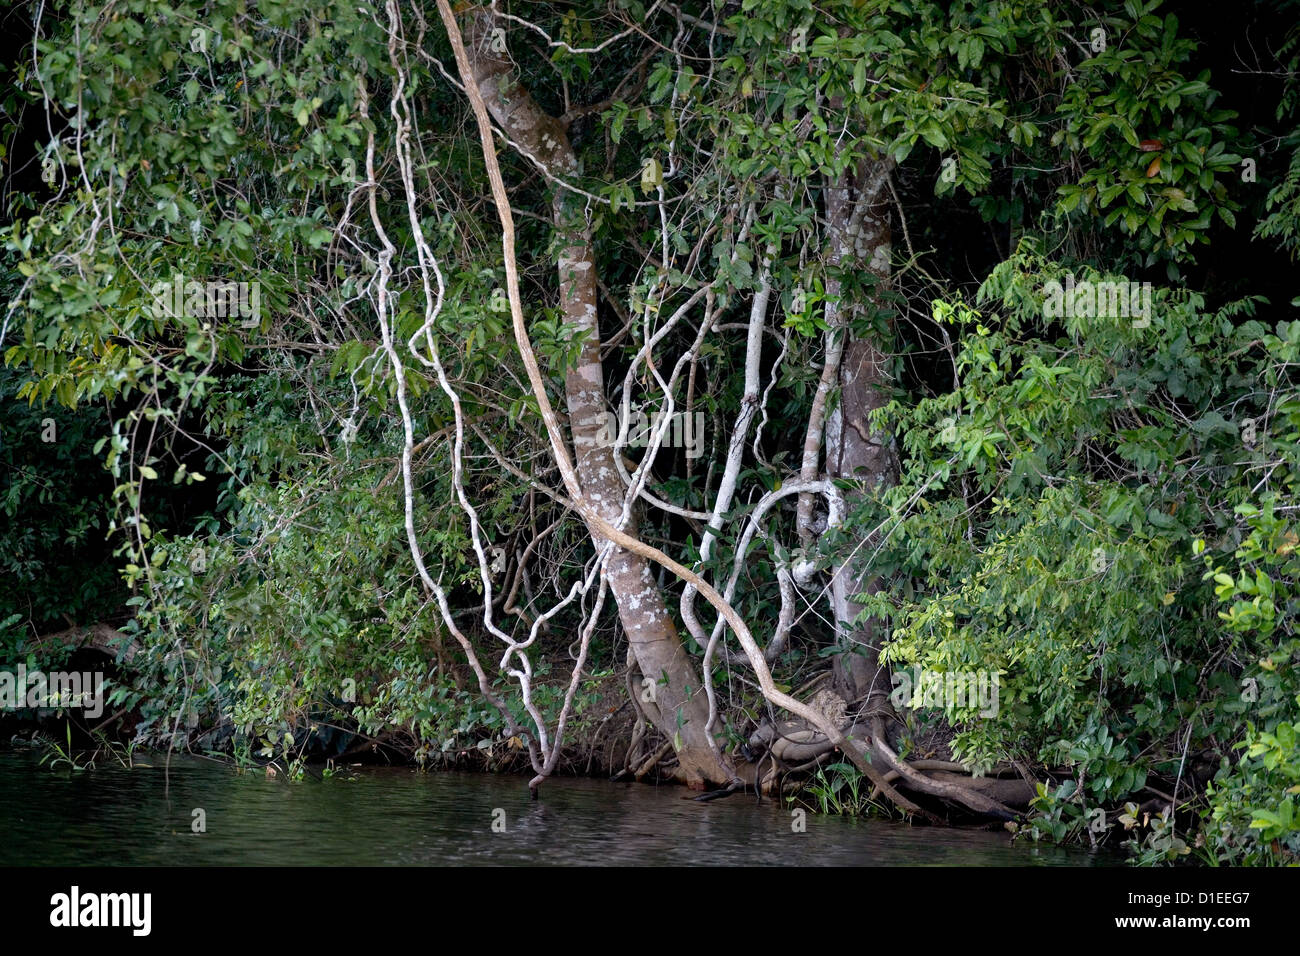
(368, 817)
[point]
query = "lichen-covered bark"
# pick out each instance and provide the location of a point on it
(679, 706)
(859, 230)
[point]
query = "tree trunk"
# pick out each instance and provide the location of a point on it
(858, 225)
(678, 705)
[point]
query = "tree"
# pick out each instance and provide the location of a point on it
(707, 199)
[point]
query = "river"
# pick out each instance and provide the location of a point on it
(366, 817)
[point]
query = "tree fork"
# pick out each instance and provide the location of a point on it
(594, 485)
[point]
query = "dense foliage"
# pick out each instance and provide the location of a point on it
(1099, 510)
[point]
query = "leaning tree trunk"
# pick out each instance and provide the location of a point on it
(678, 706)
(858, 225)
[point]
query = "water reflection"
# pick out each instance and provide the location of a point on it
(399, 817)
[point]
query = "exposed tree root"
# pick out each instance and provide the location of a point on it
(795, 747)
(652, 760)
(100, 637)
(1013, 793)
(965, 793)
